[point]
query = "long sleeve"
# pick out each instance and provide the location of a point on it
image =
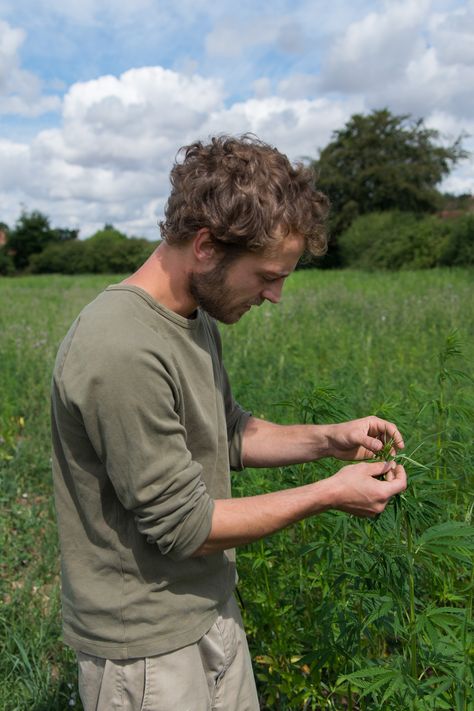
(128, 405)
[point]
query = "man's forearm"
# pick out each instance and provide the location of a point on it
(355, 489)
(265, 444)
(236, 522)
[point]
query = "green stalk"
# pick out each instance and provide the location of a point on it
(265, 572)
(412, 612)
(467, 625)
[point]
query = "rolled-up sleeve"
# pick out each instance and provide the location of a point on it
(236, 419)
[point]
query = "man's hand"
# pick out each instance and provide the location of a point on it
(354, 489)
(361, 439)
(359, 491)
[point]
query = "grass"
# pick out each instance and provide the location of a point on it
(341, 612)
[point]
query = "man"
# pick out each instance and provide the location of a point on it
(145, 431)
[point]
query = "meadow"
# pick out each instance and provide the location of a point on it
(341, 613)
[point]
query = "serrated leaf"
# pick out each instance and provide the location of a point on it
(385, 607)
(452, 539)
(394, 686)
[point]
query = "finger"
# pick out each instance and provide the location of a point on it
(399, 481)
(378, 468)
(372, 444)
(386, 430)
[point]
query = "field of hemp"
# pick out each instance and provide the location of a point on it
(341, 613)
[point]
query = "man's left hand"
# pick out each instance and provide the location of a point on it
(362, 439)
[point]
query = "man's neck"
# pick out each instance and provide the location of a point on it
(164, 276)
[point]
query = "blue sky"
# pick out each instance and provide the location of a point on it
(96, 96)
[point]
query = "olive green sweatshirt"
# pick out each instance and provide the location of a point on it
(145, 431)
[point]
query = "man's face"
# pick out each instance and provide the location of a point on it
(227, 291)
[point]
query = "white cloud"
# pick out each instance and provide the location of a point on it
(110, 159)
(296, 127)
(450, 128)
(231, 36)
(262, 87)
(20, 90)
(298, 86)
(407, 58)
(453, 34)
(373, 51)
(14, 159)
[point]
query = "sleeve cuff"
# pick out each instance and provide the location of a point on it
(235, 440)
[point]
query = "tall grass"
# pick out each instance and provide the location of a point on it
(341, 613)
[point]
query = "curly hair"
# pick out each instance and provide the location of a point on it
(246, 193)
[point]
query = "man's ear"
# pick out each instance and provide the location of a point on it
(204, 248)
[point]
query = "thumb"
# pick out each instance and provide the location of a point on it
(378, 468)
(398, 480)
(372, 444)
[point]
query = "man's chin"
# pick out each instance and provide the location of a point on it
(229, 317)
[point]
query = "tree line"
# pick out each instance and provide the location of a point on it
(33, 246)
(380, 172)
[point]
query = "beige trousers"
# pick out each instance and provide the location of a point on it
(213, 674)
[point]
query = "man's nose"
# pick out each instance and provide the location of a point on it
(273, 291)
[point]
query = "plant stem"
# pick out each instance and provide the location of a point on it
(412, 611)
(467, 626)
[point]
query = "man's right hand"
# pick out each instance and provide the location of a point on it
(359, 491)
(354, 489)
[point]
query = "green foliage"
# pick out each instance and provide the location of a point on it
(68, 258)
(457, 203)
(460, 251)
(34, 246)
(32, 233)
(6, 260)
(383, 162)
(107, 236)
(402, 240)
(7, 266)
(341, 613)
(108, 251)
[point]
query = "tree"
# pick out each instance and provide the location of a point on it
(383, 162)
(6, 261)
(32, 233)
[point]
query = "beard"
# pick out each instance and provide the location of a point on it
(212, 294)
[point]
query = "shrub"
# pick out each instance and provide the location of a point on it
(7, 267)
(64, 258)
(402, 240)
(461, 248)
(117, 255)
(104, 255)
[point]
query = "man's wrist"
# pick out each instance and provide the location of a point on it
(321, 436)
(328, 494)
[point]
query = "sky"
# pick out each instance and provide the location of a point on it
(97, 96)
